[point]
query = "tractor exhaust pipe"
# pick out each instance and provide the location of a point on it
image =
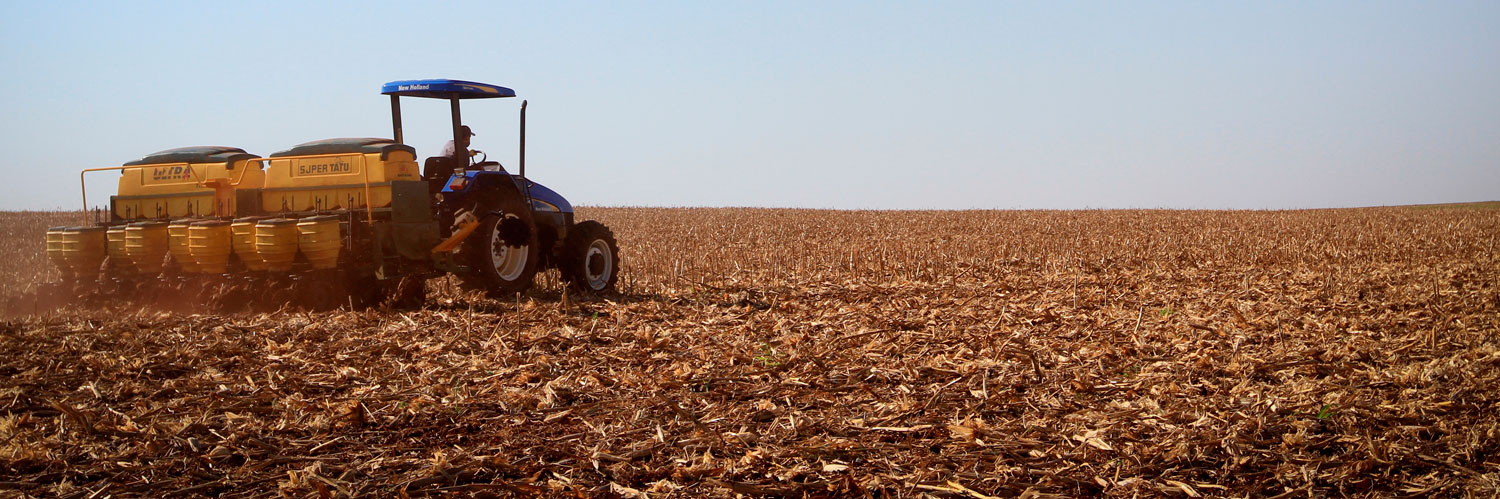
(523, 139)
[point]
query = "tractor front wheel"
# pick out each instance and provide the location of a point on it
(590, 259)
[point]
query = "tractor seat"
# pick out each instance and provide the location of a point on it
(436, 171)
(439, 167)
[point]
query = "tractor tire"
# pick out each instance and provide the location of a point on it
(501, 267)
(590, 259)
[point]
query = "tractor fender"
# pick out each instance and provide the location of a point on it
(483, 190)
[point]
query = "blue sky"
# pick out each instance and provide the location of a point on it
(797, 104)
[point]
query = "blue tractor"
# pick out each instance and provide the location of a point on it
(497, 229)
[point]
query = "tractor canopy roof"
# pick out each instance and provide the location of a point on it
(445, 89)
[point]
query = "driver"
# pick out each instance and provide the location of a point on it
(460, 151)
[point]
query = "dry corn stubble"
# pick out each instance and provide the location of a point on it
(798, 352)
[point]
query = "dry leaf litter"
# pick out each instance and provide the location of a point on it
(807, 353)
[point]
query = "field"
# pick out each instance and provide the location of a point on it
(767, 352)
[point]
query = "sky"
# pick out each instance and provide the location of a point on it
(827, 104)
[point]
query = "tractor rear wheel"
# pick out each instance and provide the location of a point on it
(504, 254)
(590, 259)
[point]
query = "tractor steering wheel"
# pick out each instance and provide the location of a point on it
(482, 156)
